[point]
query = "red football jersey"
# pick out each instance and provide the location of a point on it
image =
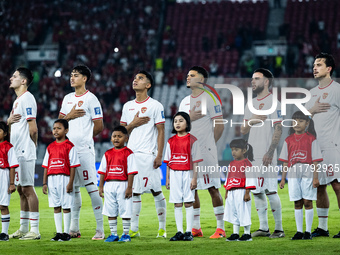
(7, 156)
(237, 175)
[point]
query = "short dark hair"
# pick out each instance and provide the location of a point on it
(63, 122)
(4, 127)
(121, 129)
(243, 144)
(201, 70)
(187, 119)
(149, 76)
(84, 70)
(299, 115)
(26, 74)
(329, 60)
(266, 73)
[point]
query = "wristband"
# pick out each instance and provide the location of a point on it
(44, 184)
(11, 184)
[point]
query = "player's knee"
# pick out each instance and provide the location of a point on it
(155, 193)
(3, 208)
(336, 187)
(321, 191)
(308, 204)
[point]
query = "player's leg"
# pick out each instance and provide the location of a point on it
(217, 202)
(275, 205)
(261, 205)
(322, 208)
(75, 211)
(4, 203)
(188, 197)
(298, 205)
(5, 219)
(309, 214)
(125, 210)
(336, 188)
(179, 217)
(196, 226)
(243, 212)
(160, 204)
(136, 209)
(110, 209)
(58, 221)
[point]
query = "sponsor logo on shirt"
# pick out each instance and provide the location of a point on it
(116, 170)
(132, 109)
(217, 108)
(279, 113)
(198, 103)
(234, 182)
(29, 111)
(298, 155)
(143, 110)
(57, 163)
(261, 106)
(1, 162)
(179, 158)
(324, 95)
(97, 110)
(162, 113)
(80, 103)
(16, 105)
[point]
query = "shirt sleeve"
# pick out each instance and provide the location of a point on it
(167, 154)
(247, 113)
(196, 152)
(131, 164)
(316, 152)
(63, 107)
(30, 108)
(250, 176)
(103, 166)
(46, 158)
(214, 107)
(159, 114)
(123, 119)
(12, 159)
(185, 105)
(96, 109)
(74, 159)
(284, 153)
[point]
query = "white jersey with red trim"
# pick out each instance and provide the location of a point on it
(81, 129)
(26, 106)
(261, 135)
(143, 138)
(184, 106)
(327, 124)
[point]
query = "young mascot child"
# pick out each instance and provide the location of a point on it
(117, 170)
(300, 156)
(238, 185)
(8, 163)
(182, 155)
(60, 162)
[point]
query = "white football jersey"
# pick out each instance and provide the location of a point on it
(185, 105)
(143, 138)
(327, 124)
(26, 106)
(81, 129)
(261, 135)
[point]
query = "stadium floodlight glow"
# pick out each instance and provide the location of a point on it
(57, 73)
(116, 49)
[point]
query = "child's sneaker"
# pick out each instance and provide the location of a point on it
(297, 236)
(125, 238)
(245, 237)
(178, 237)
(307, 236)
(65, 237)
(57, 237)
(112, 238)
(233, 237)
(188, 236)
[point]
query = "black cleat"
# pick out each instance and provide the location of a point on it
(65, 237)
(245, 237)
(57, 237)
(233, 237)
(188, 236)
(178, 237)
(307, 236)
(337, 235)
(4, 237)
(320, 232)
(298, 236)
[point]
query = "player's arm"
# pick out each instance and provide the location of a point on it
(160, 143)
(284, 174)
(246, 197)
(316, 182)
(167, 179)
(98, 127)
(218, 129)
(69, 186)
(101, 185)
(128, 192)
(255, 119)
(33, 130)
(136, 122)
(11, 188)
(268, 157)
(73, 114)
(193, 184)
(45, 181)
(13, 118)
(319, 107)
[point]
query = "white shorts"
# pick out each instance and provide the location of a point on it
(86, 173)
(236, 210)
(180, 191)
(265, 183)
(114, 200)
(331, 158)
(208, 174)
(4, 182)
(24, 174)
(147, 178)
(57, 195)
(299, 188)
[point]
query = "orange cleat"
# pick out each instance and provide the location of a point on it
(220, 233)
(197, 232)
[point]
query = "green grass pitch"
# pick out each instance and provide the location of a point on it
(148, 244)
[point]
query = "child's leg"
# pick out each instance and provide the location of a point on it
(247, 229)
(126, 225)
(58, 219)
(179, 217)
(299, 215)
(113, 225)
(67, 220)
(189, 209)
(309, 214)
(236, 229)
(5, 218)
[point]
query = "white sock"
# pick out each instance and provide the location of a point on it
(179, 219)
(97, 205)
(160, 204)
(275, 205)
(219, 213)
(136, 208)
(236, 229)
(189, 211)
(58, 220)
(75, 210)
(299, 220)
(261, 205)
(309, 214)
(34, 220)
(126, 226)
(24, 221)
(247, 229)
(113, 227)
(197, 214)
(5, 223)
(67, 222)
(323, 218)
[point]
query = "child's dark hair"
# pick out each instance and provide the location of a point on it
(4, 127)
(243, 144)
(121, 129)
(64, 123)
(187, 119)
(301, 116)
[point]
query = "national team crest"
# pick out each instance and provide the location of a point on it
(143, 110)
(324, 95)
(198, 103)
(80, 103)
(16, 105)
(261, 106)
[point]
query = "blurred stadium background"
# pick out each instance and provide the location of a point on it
(117, 38)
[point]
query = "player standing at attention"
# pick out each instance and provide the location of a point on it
(8, 163)
(24, 137)
(324, 106)
(237, 196)
(84, 113)
(60, 162)
(182, 155)
(299, 151)
(117, 170)
(207, 134)
(264, 137)
(144, 120)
